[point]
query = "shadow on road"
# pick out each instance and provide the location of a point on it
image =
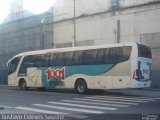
(71, 91)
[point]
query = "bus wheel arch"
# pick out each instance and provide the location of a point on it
(81, 86)
(22, 84)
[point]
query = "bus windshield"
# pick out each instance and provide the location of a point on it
(144, 51)
(12, 65)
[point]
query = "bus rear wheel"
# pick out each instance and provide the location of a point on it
(23, 85)
(81, 86)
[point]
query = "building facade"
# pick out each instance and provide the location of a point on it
(99, 22)
(23, 31)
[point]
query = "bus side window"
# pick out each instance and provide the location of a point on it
(53, 59)
(28, 61)
(39, 60)
(126, 53)
(46, 60)
(14, 64)
(59, 61)
(89, 57)
(106, 56)
(68, 56)
(115, 55)
(78, 58)
(99, 57)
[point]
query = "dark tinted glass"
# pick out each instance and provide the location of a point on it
(13, 65)
(106, 55)
(89, 57)
(53, 59)
(28, 61)
(59, 60)
(47, 60)
(144, 51)
(78, 58)
(39, 60)
(99, 57)
(68, 56)
(117, 54)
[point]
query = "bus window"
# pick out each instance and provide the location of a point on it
(126, 53)
(89, 57)
(53, 59)
(144, 51)
(68, 56)
(39, 60)
(59, 60)
(106, 56)
(78, 58)
(13, 65)
(28, 61)
(46, 60)
(119, 54)
(99, 57)
(115, 55)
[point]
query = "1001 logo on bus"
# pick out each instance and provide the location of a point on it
(55, 73)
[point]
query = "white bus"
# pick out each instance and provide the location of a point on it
(114, 66)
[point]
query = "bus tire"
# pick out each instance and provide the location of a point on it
(23, 85)
(81, 86)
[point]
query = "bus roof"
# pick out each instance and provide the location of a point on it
(74, 49)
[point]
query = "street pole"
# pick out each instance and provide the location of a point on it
(74, 41)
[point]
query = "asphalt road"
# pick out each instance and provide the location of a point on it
(69, 105)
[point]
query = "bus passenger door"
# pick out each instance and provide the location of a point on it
(34, 76)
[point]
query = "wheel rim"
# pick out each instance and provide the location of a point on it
(81, 87)
(23, 86)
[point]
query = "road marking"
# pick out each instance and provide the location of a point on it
(5, 106)
(70, 109)
(38, 110)
(117, 99)
(104, 101)
(127, 98)
(85, 106)
(95, 103)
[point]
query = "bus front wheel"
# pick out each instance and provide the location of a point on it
(23, 85)
(81, 86)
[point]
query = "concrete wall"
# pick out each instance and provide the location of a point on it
(97, 21)
(128, 3)
(63, 9)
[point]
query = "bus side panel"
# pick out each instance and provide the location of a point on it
(117, 77)
(34, 77)
(121, 82)
(12, 80)
(120, 76)
(69, 82)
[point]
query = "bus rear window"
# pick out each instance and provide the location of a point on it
(144, 51)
